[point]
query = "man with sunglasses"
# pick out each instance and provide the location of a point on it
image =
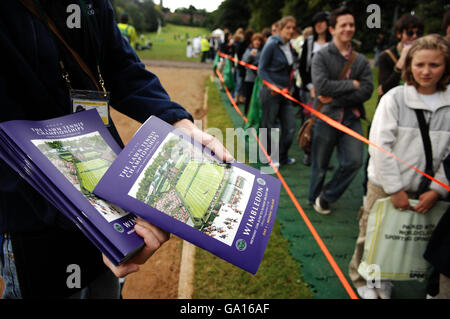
(407, 29)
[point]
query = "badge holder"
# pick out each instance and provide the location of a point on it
(82, 100)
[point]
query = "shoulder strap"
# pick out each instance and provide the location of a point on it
(348, 65)
(344, 71)
(424, 128)
(393, 57)
(32, 8)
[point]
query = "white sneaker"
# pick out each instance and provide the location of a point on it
(385, 290)
(276, 164)
(365, 292)
(321, 206)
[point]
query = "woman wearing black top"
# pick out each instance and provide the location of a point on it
(313, 43)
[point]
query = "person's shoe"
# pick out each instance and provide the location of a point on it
(307, 160)
(276, 164)
(385, 290)
(365, 292)
(321, 206)
(290, 161)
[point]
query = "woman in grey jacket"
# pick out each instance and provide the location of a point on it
(251, 56)
(276, 66)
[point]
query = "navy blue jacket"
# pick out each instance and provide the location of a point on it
(31, 88)
(273, 65)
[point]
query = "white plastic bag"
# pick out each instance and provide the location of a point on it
(396, 241)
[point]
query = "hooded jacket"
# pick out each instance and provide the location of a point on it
(396, 129)
(273, 65)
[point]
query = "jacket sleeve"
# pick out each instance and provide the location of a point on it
(360, 95)
(247, 57)
(264, 62)
(321, 79)
(387, 77)
(441, 176)
(383, 132)
(136, 92)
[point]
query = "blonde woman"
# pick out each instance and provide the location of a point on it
(395, 128)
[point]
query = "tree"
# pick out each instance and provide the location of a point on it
(265, 12)
(143, 15)
(231, 14)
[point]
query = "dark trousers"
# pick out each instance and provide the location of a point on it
(247, 89)
(276, 107)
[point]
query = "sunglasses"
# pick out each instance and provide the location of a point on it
(410, 33)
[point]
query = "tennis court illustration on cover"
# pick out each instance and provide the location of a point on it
(83, 160)
(196, 189)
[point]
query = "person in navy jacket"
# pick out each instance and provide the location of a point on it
(38, 243)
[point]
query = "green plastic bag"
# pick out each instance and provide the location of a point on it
(228, 75)
(254, 111)
(396, 241)
(216, 62)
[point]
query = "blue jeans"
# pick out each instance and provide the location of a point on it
(349, 154)
(8, 270)
(106, 286)
(238, 83)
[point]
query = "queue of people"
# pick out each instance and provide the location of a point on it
(414, 74)
(37, 243)
(333, 77)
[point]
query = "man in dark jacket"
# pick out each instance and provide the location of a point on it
(438, 249)
(38, 243)
(343, 101)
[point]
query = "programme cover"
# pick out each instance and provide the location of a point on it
(73, 152)
(175, 183)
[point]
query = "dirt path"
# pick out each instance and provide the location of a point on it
(158, 278)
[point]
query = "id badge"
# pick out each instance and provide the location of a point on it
(87, 100)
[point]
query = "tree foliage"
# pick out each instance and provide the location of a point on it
(262, 13)
(231, 14)
(143, 15)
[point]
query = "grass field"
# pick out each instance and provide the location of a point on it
(215, 278)
(91, 172)
(171, 43)
(197, 186)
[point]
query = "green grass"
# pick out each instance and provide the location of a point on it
(171, 43)
(90, 172)
(278, 276)
(198, 191)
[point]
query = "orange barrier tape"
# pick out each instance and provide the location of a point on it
(250, 66)
(350, 132)
(339, 126)
(308, 223)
